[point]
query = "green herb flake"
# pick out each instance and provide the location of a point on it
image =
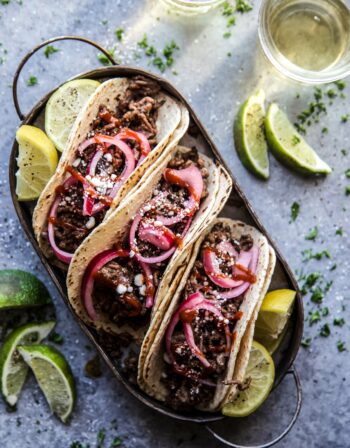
(331, 93)
(49, 50)
(306, 342)
(344, 118)
(104, 59)
(341, 346)
(117, 441)
(314, 316)
(339, 231)
(325, 331)
(231, 21)
(312, 235)
(243, 6)
(347, 173)
(119, 34)
(56, 338)
(4, 2)
(341, 84)
(151, 51)
(227, 35)
(339, 321)
(317, 295)
(324, 130)
(333, 267)
(169, 51)
(32, 81)
(325, 311)
(347, 190)
(227, 9)
(144, 42)
(158, 62)
(294, 211)
(344, 152)
(295, 140)
(101, 436)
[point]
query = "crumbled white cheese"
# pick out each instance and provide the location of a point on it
(142, 290)
(76, 162)
(130, 289)
(121, 289)
(158, 223)
(108, 156)
(90, 223)
(131, 254)
(139, 280)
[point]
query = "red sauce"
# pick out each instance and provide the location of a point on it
(188, 316)
(171, 177)
(132, 302)
(246, 274)
(238, 315)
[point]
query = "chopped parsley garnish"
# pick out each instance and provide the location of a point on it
(119, 33)
(117, 441)
(243, 6)
(314, 316)
(309, 255)
(339, 231)
(4, 2)
(341, 346)
(311, 236)
(228, 9)
(311, 281)
(151, 51)
(340, 84)
(344, 152)
(79, 445)
(325, 331)
(101, 436)
(226, 35)
(158, 62)
(306, 342)
(325, 311)
(294, 211)
(49, 50)
(339, 321)
(104, 59)
(344, 118)
(144, 42)
(317, 295)
(169, 51)
(231, 21)
(295, 140)
(347, 190)
(347, 173)
(32, 81)
(333, 267)
(324, 130)
(331, 93)
(56, 338)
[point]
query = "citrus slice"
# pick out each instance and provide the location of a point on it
(289, 147)
(54, 377)
(249, 135)
(63, 108)
(261, 375)
(13, 370)
(274, 314)
(37, 161)
(20, 289)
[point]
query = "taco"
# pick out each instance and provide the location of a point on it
(190, 362)
(126, 271)
(126, 126)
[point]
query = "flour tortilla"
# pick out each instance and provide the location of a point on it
(115, 229)
(151, 365)
(171, 116)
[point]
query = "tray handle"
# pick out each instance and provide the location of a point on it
(277, 439)
(43, 44)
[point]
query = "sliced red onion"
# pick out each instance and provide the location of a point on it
(190, 178)
(88, 280)
(211, 264)
(192, 344)
(158, 236)
(236, 292)
(150, 289)
(128, 134)
(86, 144)
(62, 255)
(188, 210)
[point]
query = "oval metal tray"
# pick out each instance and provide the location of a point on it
(237, 207)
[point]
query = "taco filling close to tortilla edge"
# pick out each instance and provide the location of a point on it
(118, 143)
(201, 332)
(121, 282)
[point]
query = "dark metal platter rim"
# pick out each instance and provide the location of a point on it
(298, 314)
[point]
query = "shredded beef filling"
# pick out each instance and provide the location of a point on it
(120, 291)
(185, 390)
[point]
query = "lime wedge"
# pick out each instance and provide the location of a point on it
(13, 370)
(274, 312)
(63, 108)
(271, 344)
(20, 289)
(261, 374)
(249, 135)
(54, 377)
(37, 161)
(289, 147)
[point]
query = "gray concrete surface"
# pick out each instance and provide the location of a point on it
(216, 84)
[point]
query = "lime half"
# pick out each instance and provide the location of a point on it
(63, 108)
(20, 289)
(261, 375)
(249, 135)
(289, 147)
(13, 370)
(37, 161)
(54, 377)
